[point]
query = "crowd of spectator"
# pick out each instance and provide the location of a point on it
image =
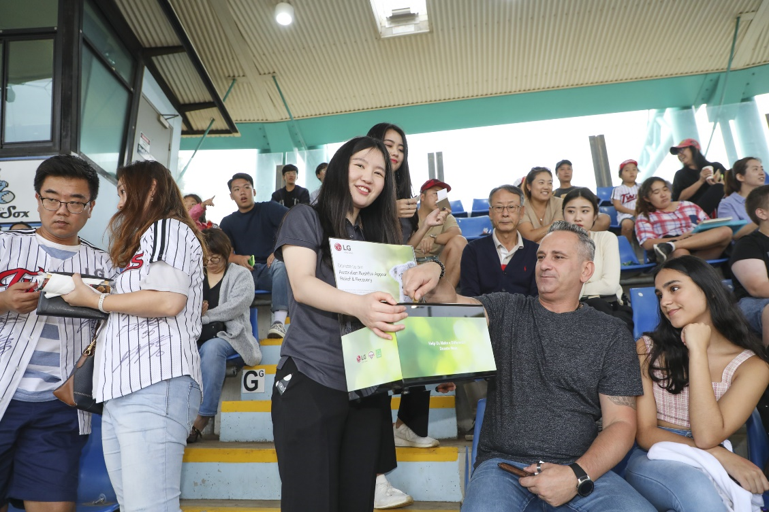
(548, 276)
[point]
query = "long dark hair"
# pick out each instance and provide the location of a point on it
(402, 175)
(643, 206)
(731, 183)
(669, 356)
(379, 219)
(584, 193)
(129, 224)
(699, 159)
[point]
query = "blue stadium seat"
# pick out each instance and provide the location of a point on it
(758, 444)
(729, 285)
(475, 227)
(604, 195)
(612, 213)
(458, 209)
(645, 310)
(480, 207)
(628, 259)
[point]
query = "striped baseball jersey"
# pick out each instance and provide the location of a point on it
(138, 352)
(22, 255)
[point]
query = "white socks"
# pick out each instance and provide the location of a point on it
(279, 316)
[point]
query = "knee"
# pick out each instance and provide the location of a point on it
(680, 252)
(724, 235)
(456, 244)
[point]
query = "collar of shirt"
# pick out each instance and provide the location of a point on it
(502, 252)
(354, 232)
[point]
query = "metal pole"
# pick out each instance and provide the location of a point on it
(726, 80)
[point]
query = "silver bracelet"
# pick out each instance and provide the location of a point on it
(101, 303)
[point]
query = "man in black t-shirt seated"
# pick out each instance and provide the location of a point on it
(252, 231)
(750, 264)
(291, 194)
(560, 367)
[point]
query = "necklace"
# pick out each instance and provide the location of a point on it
(541, 216)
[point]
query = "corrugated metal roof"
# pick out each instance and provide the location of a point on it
(331, 59)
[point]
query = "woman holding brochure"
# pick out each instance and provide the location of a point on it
(147, 369)
(328, 445)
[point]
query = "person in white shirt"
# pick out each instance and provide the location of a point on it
(147, 371)
(624, 197)
(41, 437)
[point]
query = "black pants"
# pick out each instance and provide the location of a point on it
(710, 199)
(414, 412)
(328, 447)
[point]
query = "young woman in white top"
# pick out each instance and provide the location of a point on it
(703, 373)
(147, 369)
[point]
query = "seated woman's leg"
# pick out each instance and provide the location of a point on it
(671, 485)
(213, 365)
(707, 245)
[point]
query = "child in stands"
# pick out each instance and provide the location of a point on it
(328, 445)
(624, 198)
(703, 373)
(197, 209)
(667, 226)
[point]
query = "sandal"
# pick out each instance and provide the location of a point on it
(195, 435)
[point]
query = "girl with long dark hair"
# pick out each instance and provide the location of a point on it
(703, 374)
(698, 181)
(147, 370)
(746, 175)
(328, 446)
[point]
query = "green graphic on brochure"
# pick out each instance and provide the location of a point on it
(366, 267)
(427, 347)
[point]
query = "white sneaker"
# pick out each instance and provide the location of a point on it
(277, 330)
(404, 436)
(386, 496)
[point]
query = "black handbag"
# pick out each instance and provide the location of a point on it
(210, 331)
(77, 390)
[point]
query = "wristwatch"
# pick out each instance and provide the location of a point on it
(433, 236)
(584, 484)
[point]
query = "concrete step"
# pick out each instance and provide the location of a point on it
(250, 420)
(215, 470)
(274, 506)
(270, 350)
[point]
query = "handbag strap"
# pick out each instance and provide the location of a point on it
(92, 346)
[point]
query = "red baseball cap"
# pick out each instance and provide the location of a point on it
(435, 183)
(685, 144)
(629, 161)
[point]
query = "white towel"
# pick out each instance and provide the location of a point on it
(733, 495)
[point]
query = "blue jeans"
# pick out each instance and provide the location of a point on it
(213, 365)
(274, 279)
(671, 485)
(753, 309)
(494, 490)
(144, 434)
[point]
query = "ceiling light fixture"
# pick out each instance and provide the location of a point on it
(284, 13)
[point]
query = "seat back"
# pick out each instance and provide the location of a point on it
(458, 209)
(475, 227)
(95, 486)
(480, 207)
(604, 194)
(612, 213)
(645, 310)
(626, 252)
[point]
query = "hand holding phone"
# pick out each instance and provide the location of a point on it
(514, 470)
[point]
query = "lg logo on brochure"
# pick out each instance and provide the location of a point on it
(340, 247)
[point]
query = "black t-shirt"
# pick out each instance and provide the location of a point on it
(253, 232)
(299, 195)
(754, 246)
(551, 368)
(687, 177)
(212, 294)
(560, 192)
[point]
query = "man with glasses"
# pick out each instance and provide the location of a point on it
(438, 236)
(504, 261)
(252, 231)
(40, 437)
(291, 194)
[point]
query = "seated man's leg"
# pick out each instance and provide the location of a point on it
(46, 462)
(275, 279)
(451, 256)
(492, 489)
(611, 493)
(671, 485)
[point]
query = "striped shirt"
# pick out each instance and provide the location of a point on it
(627, 197)
(138, 352)
(22, 255)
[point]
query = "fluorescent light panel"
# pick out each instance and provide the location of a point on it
(400, 17)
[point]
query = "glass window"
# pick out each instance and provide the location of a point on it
(103, 39)
(29, 97)
(104, 101)
(28, 13)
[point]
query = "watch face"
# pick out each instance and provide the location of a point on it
(585, 487)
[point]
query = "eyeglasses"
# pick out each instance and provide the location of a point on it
(53, 205)
(215, 259)
(512, 208)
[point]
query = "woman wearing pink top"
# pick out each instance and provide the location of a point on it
(703, 374)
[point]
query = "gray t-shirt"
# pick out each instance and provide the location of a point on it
(543, 403)
(313, 341)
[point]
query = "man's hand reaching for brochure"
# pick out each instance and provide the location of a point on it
(421, 280)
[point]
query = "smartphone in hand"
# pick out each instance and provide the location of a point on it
(514, 470)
